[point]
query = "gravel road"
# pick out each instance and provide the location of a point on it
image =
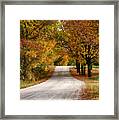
(61, 86)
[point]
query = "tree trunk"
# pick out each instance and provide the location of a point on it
(89, 62)
(82, 69)
(89, 68)
(78, 67)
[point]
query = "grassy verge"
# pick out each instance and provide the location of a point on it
(91, 90)
(26, 83)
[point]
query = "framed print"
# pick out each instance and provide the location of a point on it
(59, 60)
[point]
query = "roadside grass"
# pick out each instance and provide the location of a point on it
(91, 89)
(27, 83)
(94, 66)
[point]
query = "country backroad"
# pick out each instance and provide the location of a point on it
(61, 86)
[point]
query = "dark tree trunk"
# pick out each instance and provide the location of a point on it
(78, 67)
(89, 71)
(89, 67)
(89, 62)
(82, 69)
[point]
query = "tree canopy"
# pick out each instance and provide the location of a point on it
(45, 43)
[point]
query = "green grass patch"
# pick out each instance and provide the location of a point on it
(95, 66)
(94, 78)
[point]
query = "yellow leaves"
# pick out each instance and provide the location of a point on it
(46, 68)
(48, 45)
(65, 59)
(31, 53)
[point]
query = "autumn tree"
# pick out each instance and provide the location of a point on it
(82, 41)
(36, 47)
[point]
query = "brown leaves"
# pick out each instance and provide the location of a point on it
(30, 44)
(82, 34)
